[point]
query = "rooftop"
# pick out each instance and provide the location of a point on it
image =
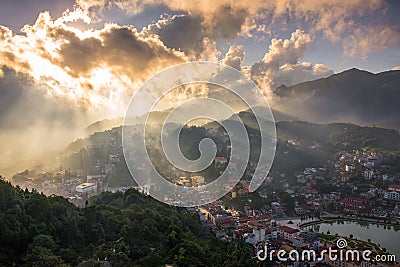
(85, 185)
(289, 230)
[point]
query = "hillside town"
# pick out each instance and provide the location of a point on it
(357, 184)
(263, 230)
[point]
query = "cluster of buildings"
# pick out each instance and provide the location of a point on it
(195, 181)
(263, 230)
(357, 183)
(393, 193)
(252, 226)
(74, 186)
(77, 185)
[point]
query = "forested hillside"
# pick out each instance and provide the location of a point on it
(123, 229)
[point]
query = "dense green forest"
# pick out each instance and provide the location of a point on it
(125, 229)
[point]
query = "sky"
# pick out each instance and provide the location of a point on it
(71, 46)
(65, 63)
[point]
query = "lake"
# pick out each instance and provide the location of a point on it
(387, 236)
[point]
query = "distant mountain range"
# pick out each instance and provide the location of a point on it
(158, 117)
(353, 96)
(102, 125)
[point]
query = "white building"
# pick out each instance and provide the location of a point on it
(392, 195)
(114, 158)
(256, 236)
(286, 232)
(368, 174)
(348, 168)
(86, 188)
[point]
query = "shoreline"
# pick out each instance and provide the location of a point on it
(347, 218)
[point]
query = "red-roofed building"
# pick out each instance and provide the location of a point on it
(226, 223)
(232, 165)
(394, 187)
(220, 160)
(355, 203)
(307, 207)
(245, 185)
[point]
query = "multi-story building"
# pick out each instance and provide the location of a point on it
(394, 187)
(86, 188)
(256, 236)
(355, 203)
(369, 174)
(392, 195)
(286, 232)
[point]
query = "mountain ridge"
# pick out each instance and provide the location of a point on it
(354, 95)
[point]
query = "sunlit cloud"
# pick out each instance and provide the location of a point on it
(92, 68)
(99, 65)
(234, 57)
(282, 64)
(364, 40)
(338, 21)
(80, 66)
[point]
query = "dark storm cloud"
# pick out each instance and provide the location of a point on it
(193, 33)
(183, 33)
(80, 56)
(122, 48)
(226, 23)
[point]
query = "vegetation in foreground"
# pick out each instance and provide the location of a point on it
(125, 229)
